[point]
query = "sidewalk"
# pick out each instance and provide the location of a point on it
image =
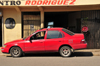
(87, 52)
(83, 52)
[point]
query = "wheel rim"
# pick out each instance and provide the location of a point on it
(65, 51)
(15, 52)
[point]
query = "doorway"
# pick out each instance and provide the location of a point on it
(66, 20)
(59, 19)
(0, 31)
(30, 23)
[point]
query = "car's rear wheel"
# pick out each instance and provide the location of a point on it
(15, 52)
(65, 51)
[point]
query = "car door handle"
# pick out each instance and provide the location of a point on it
(59, 41)
(41, 42)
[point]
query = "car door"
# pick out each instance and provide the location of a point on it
(36, 42)
(53, 40)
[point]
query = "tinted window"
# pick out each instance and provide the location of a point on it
(54, 34)
(68, 31)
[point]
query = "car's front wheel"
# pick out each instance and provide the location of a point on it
(15, 52)
(65, 51)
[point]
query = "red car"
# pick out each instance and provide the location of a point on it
(47, 40)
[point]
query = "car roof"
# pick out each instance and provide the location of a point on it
(55, 28)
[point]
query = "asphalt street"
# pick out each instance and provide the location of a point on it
(49, 60)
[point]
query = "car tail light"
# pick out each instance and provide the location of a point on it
(83, 41)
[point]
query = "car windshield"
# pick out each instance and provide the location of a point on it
(68, 31)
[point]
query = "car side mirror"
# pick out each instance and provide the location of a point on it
(31, 39)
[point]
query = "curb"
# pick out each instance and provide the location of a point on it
(86, 53)
(88, 50)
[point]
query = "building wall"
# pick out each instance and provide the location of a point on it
(15, 33)
(91, 19)
(72, 19)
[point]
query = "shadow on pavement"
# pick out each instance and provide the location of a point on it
(75, 54)
(82, 54)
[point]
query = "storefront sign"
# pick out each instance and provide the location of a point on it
(38, 2)
(47, 2)
(10, 2)
(50, 2)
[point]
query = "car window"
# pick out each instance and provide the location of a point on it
(39, 35)
(68, 31)
(54, 34)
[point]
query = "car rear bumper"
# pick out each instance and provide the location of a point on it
(80, 46)
(4, 50)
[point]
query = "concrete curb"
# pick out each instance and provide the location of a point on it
(88, 50)
(93, 52)
(87, 53)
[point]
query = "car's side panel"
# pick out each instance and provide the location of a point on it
(79, 46)
(53, 44)
(35, 45)
(8, 47)
(74, 41)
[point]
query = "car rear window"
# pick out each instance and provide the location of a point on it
(54, 34)
(68, 31)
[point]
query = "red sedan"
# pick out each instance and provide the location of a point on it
(47, 40)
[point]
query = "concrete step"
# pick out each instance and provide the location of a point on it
(96, 53)
(88, 50)
(86, 53)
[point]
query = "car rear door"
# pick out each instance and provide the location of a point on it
(54, 39)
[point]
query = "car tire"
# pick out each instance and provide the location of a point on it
(65, 51)
(16, 52)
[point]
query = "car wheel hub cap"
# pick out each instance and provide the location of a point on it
(65, 51)
(16, 52)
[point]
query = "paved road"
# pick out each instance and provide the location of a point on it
(50, 60)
